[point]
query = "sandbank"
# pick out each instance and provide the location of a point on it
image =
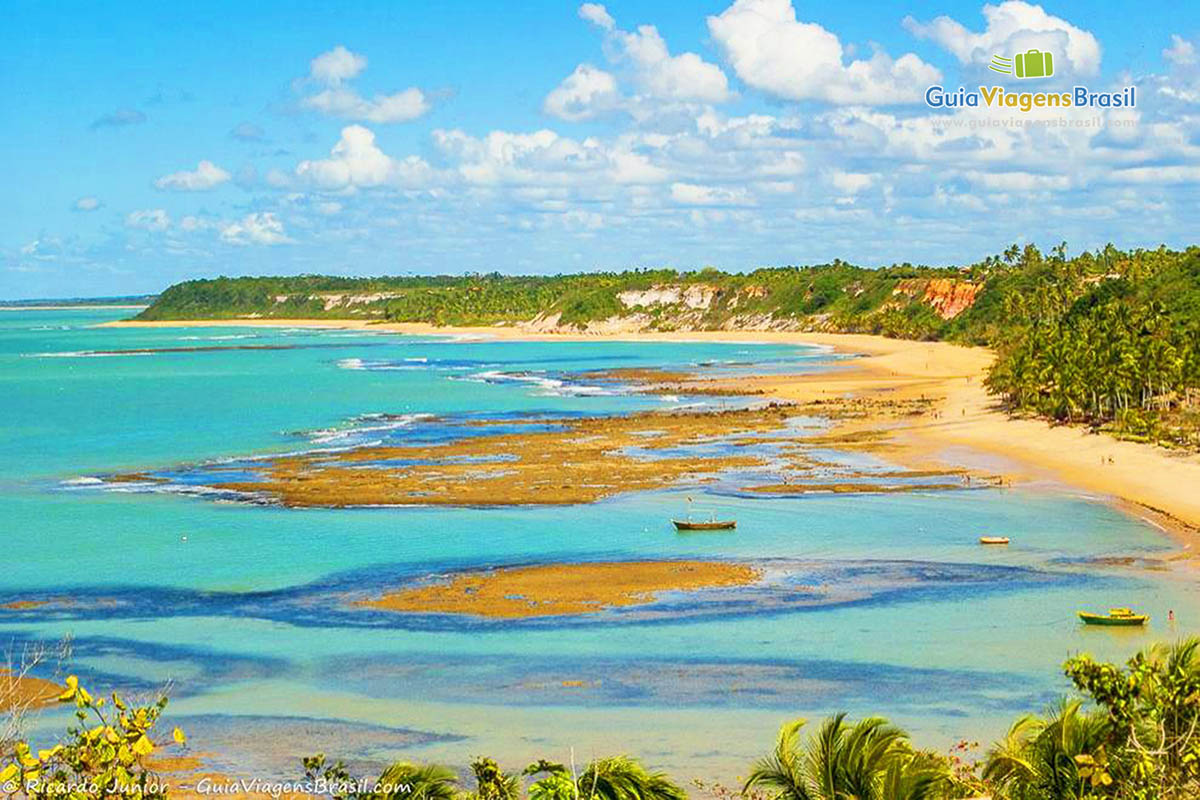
(558, 589)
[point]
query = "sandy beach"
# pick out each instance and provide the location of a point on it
(967, 428)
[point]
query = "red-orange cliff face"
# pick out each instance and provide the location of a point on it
(949, 297)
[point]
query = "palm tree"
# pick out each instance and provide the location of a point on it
(492, 783)
(613, 778)
(418, 782)
(623, 778)
(870, 760)
(1041, 759)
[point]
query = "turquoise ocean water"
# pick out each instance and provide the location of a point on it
(242, 607)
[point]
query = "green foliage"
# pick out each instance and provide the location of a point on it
(1111, 340)
(400, 780)
(623, 778)
(102, 756)
(1151, 710)
(615, 778)
(492, 783)
(1049, 758)
(418, 782)
(870, 760)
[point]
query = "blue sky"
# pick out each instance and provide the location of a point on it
(153, 142)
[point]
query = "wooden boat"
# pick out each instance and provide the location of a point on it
(1115, 616)
(993, 540)
(712, 525)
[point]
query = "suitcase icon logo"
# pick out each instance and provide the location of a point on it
(1030, 64)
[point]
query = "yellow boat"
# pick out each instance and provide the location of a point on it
(1115, 616)
(993, 540)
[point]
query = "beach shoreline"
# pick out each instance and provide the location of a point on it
(1144, 479)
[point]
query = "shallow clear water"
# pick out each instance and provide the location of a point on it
(242, 607)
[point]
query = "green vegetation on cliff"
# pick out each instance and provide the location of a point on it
(1107, 338)
(836, 296)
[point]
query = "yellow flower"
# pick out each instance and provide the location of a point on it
(72, 687)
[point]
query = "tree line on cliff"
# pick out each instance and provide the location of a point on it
(1108, 338)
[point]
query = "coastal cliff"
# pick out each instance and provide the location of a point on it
(903, 301)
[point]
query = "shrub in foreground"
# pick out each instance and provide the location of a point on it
(102, 756)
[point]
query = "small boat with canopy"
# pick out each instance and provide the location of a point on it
(1123, 617)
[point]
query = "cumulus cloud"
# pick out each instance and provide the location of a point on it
(348, 104)
(260, 227)
(337, 65)
(331, 71)
(691, 194)
(357, 162)
(771, 50)
(191, 223)
(585, 93)
(205, 176)
(119, 119)
(1013, 27)
(598, 15)
(659, 74)
(851, 183)
(1180, 86)
(88, 203)
(148, 219)
(654, 71)
(1180, 52)
(545, 158)
(44, 248)
(685, 181)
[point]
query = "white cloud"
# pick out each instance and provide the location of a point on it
(691, 194)
(852, 183)
(580, 219)
(1181, 51)
(1023, 182)
(583, 94)
(337, 65)
(655, 72)
(205, 176)
(597, 15)
(1158, 175)
(357, 162)
(260, 227)
(192, 223)
(88, 203)
(334, 68)
(148, 219)
(346, 103)
(771, 50)
(1014, 27)
(545, 158)
(662, 75)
